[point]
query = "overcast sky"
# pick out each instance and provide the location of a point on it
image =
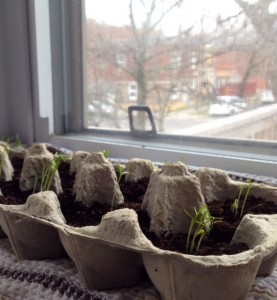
(117, 12)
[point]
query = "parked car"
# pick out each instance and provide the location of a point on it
(227, 105)
(100, 110)
(266, 96)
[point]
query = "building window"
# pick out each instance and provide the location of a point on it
(175, 60)
(121, 60)
(132, 91)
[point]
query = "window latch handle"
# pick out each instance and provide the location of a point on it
(141, 132)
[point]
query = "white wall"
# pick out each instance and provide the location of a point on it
(15, 85)
(3, 103)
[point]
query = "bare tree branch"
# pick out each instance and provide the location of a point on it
(165, 13)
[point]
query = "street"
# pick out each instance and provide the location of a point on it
(250, 124)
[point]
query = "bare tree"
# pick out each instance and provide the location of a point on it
(162, 67)
(144, 51)
(146, 44)
(263, 17)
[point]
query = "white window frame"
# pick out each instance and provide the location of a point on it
(246, 157)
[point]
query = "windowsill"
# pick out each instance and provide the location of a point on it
(237, 156)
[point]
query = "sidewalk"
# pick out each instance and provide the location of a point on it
(235, 123)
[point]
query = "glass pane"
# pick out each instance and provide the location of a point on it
(205, 68)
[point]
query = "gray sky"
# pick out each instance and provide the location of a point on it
(117, 13)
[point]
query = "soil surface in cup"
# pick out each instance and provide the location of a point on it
(76, 214)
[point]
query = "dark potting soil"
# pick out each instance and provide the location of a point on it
(76, 214)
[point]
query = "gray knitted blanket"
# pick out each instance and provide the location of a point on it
(58, 280)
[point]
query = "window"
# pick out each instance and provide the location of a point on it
(223, 54)
(220, 49)
(193, 61)
(121, 60)
(175, 60)
(133, 91)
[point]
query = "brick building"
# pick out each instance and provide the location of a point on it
(176, 70)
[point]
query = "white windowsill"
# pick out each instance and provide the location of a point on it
(258, 164)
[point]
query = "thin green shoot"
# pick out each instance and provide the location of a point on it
(48, 172)
(45, 176)
(192, 224)
(106, 153)
(13, 140)
(200, 225)
(235, 204)
(36, 182)
(249, 185)
(121, 173)
(18, 140)
(198, 221)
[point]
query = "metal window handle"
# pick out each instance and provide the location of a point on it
(141, 133)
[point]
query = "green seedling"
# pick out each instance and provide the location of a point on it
(201, 224)
(36, 182)
(18, 141)
(121, 173)
(106, 153)
(48, 173)
(13, 140)
(235, 205)
(249, 185)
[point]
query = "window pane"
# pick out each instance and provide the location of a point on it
(204, 68)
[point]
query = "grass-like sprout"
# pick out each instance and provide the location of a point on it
(121, 173)
(201, 224)
(18, 140)
(106, 153)
(36, 182)
(235, 205)
(48, 172)
(249, 185)
(13, 140)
